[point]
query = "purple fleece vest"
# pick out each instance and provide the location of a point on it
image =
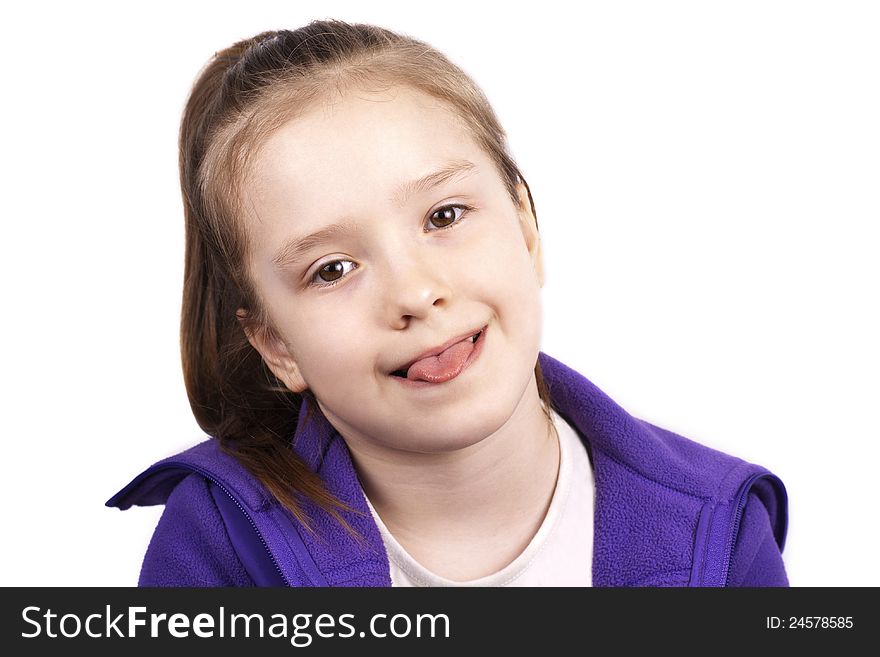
(668, 511)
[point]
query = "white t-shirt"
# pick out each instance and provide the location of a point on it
(561, 551)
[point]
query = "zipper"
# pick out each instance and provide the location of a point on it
(254, 526)
(742, 498)
(247, 515)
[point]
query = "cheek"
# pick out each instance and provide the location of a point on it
(329, 352)
(517, 290)
(500, 258)
(322, 347)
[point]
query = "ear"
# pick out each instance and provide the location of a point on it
(529, 226)
(275, 353)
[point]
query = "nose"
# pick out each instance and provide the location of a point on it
(416, 286)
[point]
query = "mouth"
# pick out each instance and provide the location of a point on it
(442, 370)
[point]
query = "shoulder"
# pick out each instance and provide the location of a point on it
(652, 452)
(190, 545)
(155, 484)
(708, 499)
(727, 483)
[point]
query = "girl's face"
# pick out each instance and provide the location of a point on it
(380, 231)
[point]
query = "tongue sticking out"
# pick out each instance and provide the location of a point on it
(443, 366)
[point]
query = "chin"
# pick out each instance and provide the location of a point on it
(464, 428)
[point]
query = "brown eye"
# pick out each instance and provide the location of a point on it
(332, 272)
(446, 216)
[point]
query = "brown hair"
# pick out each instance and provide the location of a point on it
(240, 97)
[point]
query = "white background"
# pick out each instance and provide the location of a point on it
(706, 180)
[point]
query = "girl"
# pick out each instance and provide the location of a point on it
(360, 336)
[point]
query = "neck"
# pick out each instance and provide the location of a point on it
(467, 513)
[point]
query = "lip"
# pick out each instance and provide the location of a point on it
(478, 349)
(440, 349)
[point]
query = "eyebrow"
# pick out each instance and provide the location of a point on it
(295, 248)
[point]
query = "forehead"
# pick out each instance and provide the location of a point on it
(355, 148)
